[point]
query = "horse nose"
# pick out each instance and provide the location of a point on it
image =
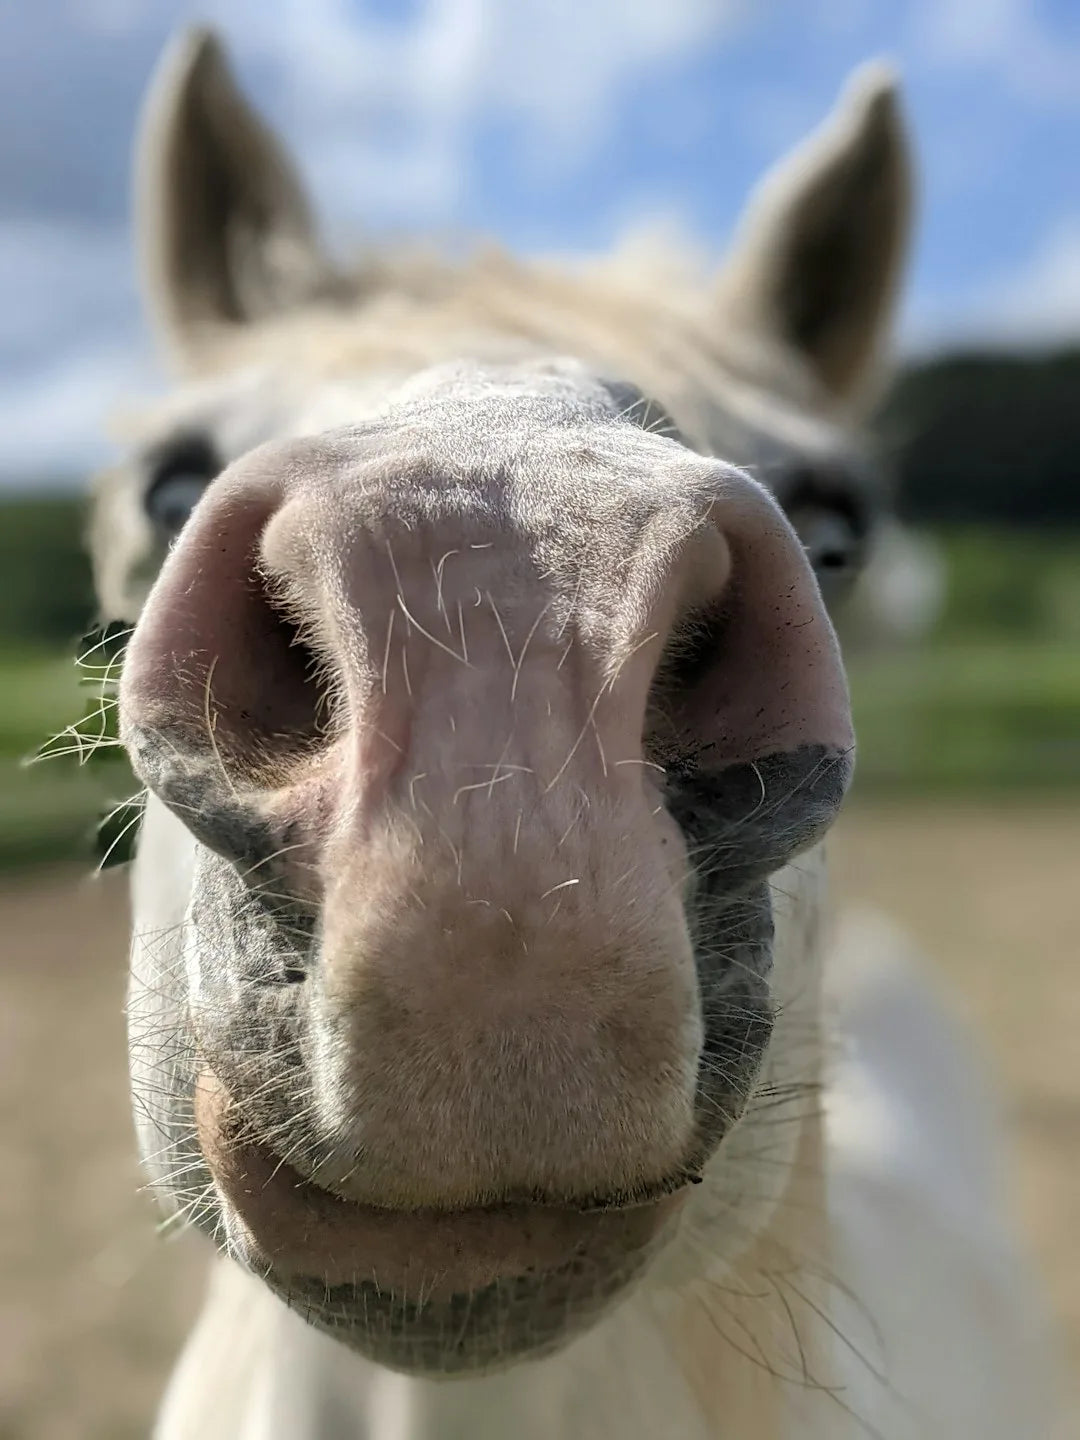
(257, 651)
(218, 695)
(487, 935)
(494, 815)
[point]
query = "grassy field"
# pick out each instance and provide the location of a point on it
(970, 714)
(48, 809)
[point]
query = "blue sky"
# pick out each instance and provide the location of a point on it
(554, 125)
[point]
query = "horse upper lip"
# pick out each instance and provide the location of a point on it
(295, 1227)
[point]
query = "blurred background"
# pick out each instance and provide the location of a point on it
(556, 126)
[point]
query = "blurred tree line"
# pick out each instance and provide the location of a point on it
(987, 439)
(46, 594)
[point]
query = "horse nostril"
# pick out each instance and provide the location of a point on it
(221, 697)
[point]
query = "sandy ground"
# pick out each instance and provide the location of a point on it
(93, 1305)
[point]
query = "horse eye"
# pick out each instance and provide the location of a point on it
(829, 539)
(172, 499)
(178, 476)
(831, 504)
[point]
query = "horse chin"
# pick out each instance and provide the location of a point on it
(472, 1333)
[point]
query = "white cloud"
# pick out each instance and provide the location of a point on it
(53, 418)
(1033, 306)
(1008, 39)
(384, 117)
(1041, 300)
(61, 279)
(69, 351)
(559, 62)
(564, 64)
(555, 69)
(388, 110)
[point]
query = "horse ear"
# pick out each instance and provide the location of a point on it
(818, 255)
(223, 227)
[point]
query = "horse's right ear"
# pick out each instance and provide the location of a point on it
(818, 256)
(223, 227)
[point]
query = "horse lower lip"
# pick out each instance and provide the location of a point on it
(302, 1231)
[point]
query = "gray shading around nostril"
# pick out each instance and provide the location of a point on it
(756, 815)
(741, 824)
(732, 936)
(244, 1006)
(191, 782)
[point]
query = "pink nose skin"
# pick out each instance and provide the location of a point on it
(418, 700)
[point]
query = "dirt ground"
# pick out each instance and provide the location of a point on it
(93, 1305)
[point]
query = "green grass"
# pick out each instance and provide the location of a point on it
(48, 809)
(41, 695)
(46, 816)
(978, 714)
(991, 702)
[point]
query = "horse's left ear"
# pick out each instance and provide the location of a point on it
(819, 252)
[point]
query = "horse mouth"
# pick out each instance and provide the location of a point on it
(342, 1262)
